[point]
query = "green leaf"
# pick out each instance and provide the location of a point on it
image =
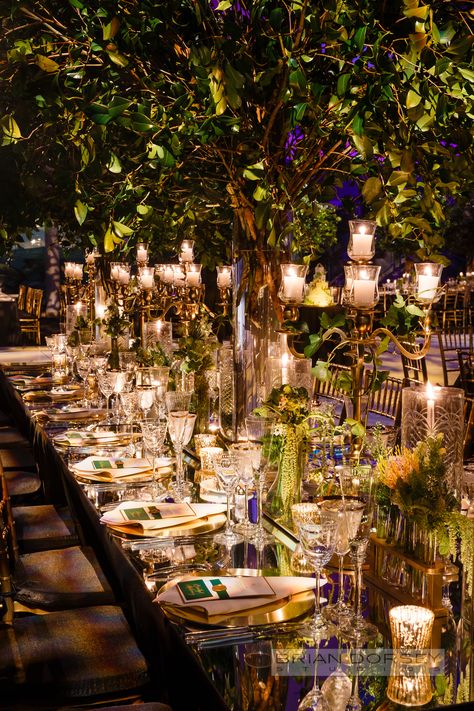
(224, 5)
(117, 58)
(46, 64)
(342, 84)
(359, 37)
(413, 99)
(121, 229)
(371, 189)
(114, 165)
(467, 74)
(144, 210)
(80, 211)
(358, 125)
(10, 127)
(419, 12)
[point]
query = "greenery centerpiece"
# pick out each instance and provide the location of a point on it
(194, 361)
(290, 407)
(116, 325)
(413, 490)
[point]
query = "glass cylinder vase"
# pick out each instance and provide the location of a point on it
(430, 411)
(286, 489)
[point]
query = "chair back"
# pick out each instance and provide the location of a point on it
(450, 341)
(22, 297)
(329, 390)
(386, 402)
(36, 303)
(466, 371)
(414, 369)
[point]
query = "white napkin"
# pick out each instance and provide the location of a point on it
(283, 587)
(187, 513)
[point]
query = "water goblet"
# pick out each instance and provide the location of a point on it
(180, 429)
(318, 536)
(154, 433)
(226, 465)
(159, 377)
(127, 360)
(129, 402)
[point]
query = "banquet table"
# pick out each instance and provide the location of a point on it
(207, 667)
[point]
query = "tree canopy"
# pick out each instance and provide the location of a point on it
(136, 119)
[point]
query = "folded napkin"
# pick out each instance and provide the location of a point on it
(111, 467)
(84, 437)
(228, 594)
(151, 515)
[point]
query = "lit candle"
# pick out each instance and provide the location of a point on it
(114, 272)
(142, 253)
(187, 250)
(430, 407)
(78, 308)
(361, 244)
(224, 277)
(427, 286)
(146, 278)
(78, 271)
(293, 287)
(69, 270)
(99, 310)
(193, 275)
(168, 274)
(123, 276)
(90, 258)
(363, 292)
(179, 275)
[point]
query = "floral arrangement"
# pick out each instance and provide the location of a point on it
(196, 350)
(116, 324)
(152, 356)
(289, 405)
(415, 482)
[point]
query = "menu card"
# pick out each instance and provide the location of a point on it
(156, 515)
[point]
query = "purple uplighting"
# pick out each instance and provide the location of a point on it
(293, 138)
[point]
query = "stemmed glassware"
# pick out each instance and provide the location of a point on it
(146, 399)
(318, 535)
(84, 367)
(259, 433)
(159, 376)
(180, 429)
(248, 457)
(360, 486)
(226, 465)
(107, 381)
(315, 699)
(154, 433)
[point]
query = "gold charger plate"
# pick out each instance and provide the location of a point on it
(51, 396)
(283, 610)
(194, 528)
(77, 415)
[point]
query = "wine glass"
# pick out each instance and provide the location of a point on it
(154, 433)
(178, 401)
(129, 402)
(107, 380)
(360, 485)
(248, 457)
(146, 399)
(159, 377)
(226, 465)
(347, 514)
(84, 366)
(315, 699)
(180, 429)
(259, 432)
(318, 534)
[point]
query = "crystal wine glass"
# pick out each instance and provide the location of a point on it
(154, 433)
(248, 457)
(347, 514)
(107, 380)
(226, 465)
(318, 535)
(359, 485)
(259, 432)
(84, 367)
(180, 428)
(315, 699)
(146, 399)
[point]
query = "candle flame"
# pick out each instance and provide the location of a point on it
(430, 391)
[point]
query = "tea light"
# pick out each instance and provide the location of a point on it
(409, 684)
(207, 456)
(411, 627)
(224, 277)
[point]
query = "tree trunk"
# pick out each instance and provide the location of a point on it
(52, 272)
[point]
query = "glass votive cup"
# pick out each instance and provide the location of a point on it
(411, 627)
(409, 684)
(207, 456)
(204, 440)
